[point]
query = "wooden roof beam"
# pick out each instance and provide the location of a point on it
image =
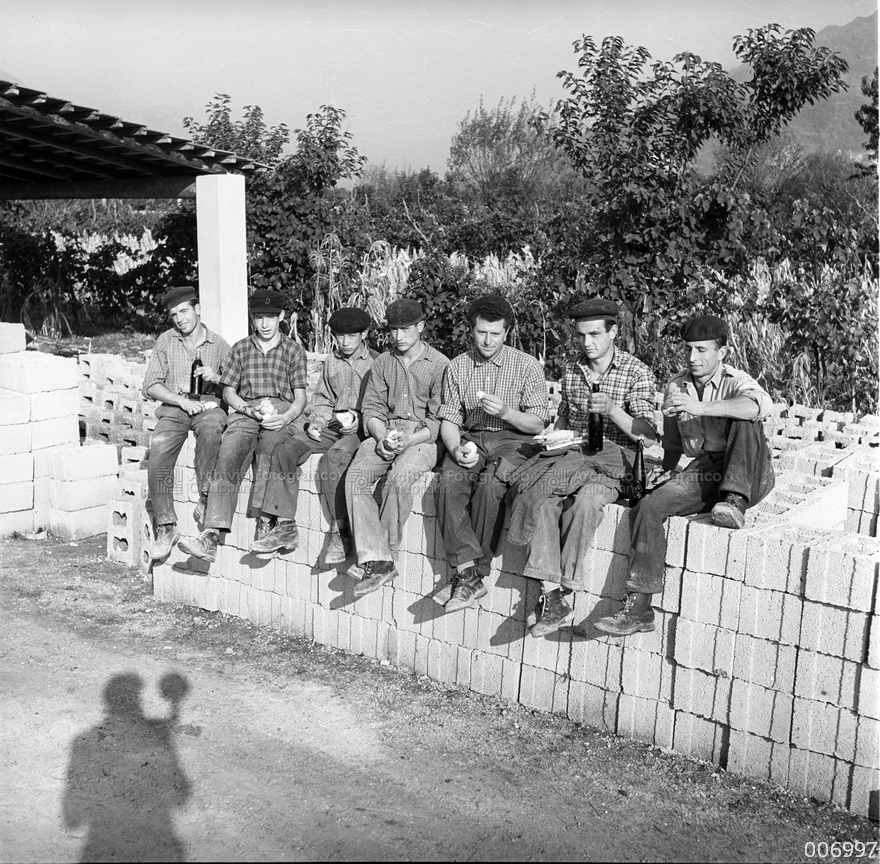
(33, 168)
(153, 187)
(32, 152)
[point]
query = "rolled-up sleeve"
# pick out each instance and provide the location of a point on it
(745, 385)
(432, 406)
(451, 408)
(640, 399)
(231, 374)
(157, 368)
(534, 397)
(323, 400)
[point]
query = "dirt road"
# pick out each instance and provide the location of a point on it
(133, 730)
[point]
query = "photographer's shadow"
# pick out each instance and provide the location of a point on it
(124, 778)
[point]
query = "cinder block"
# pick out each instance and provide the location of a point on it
(16, 467)
(541, 688)
(766, 663)
(463, 666)
(84, 463)
(698, 738)
(591, 705)
(55, 404)
(707, 546)
(52, 433)
(869, 693)
(776, 559)
(704, 647)
(12, 339)
(835, 631)
(818, 776)
(81, 494)
(823, 728)
(759, 758)
(16, 496)
(597, 662)
(21, 521)
(82, 523)
(710, 599)
(843, 572)
(133, 484)
(826, 679)
(864, 796)
(760, 711)
(676, 541)
(34, 372)
(15, 438)
(129, 533)
(485, 675)
(645, 720)
(670, 599)
(646, 675)
(613, 534)
(868, 742)
(772, 615)
(699, 693)
(15, 408)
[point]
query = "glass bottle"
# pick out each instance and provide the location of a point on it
(195, 380)
(595, 426)
(639, 481)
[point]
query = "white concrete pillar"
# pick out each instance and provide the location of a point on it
(222, 254)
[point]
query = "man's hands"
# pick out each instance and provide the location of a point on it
(492, 404)
(601, 403)
(346, 428)
(314, 431)
(681, 402)
(191, 406)
(209, 374)
(658, 477)
(466, 454)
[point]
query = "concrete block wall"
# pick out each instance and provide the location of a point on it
(765, 659)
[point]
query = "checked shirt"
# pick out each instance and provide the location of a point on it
(397, 392)
(275, 374)
(342, 383)
(629, 383)
(511, 375)
(171, 362)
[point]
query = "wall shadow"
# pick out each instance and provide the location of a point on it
(124, 778)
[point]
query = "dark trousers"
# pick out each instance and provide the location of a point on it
(282, 487)
(244, 440)
(173, 424)
(745, 467)
(469, 500)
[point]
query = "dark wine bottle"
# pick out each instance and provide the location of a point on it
(639, 481)
(195, 381)
(595, 427)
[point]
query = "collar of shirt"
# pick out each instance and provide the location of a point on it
(256, 343)
(362, 353)
(479, 360)
(588, 373)
(210, 336)
(714, 381)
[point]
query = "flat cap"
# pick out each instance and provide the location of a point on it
(267, 302)
(700, 328)
(349, 319)
(179, 294)
(595, 307)
(404, 313)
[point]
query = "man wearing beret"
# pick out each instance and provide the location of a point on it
(188, 348)
(400, 411)
(712, 414)
(264, 382)
(334, 431)
(494, 402)
(561, 496)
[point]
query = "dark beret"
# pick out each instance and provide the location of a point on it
(179, 294)
(349, 319)
(404, 313)
(266, 301)
(595, 307)
(701, 328)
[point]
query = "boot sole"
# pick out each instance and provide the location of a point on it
(392, 575)
(537, 632)
(164, 555)
(187, 550)
(449, 607)
(639, 628)
(727, 517)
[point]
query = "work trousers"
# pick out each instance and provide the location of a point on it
(282, 487)
(377, 528)
(744, 467)
(243, 441)
(173, 424)
(469, 500)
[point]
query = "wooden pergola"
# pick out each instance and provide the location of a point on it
(51, 148)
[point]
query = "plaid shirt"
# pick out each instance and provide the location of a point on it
(511, 375)
(691, 435)
(171, 361)
(342, 384)
(628, 382)
(397, 392)
(275, 374)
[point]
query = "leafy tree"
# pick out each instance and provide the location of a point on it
(867, 115)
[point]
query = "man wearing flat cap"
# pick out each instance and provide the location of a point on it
(712, 414)
(400, 414)
(183, 374)
(264, 382)
(334, 430)
(494, 402)
(561, 495)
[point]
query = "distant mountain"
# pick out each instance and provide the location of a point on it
(830, 124)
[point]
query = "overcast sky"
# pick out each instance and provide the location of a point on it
(405, 71)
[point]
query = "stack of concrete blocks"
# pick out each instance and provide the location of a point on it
(791, 427)
(862, 475)
(111, 403)
(764, 660)
(129, 524)
(38, 414)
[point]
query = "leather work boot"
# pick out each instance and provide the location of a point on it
(204, 546)
(285, 535)
(166, 537)
(551, 613)
(631, 619)
(445, 593)
(376, 574)
(730, 512)
(199, 510)
(338, 547)
(469, 588)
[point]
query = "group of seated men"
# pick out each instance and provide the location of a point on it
(397, 415)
